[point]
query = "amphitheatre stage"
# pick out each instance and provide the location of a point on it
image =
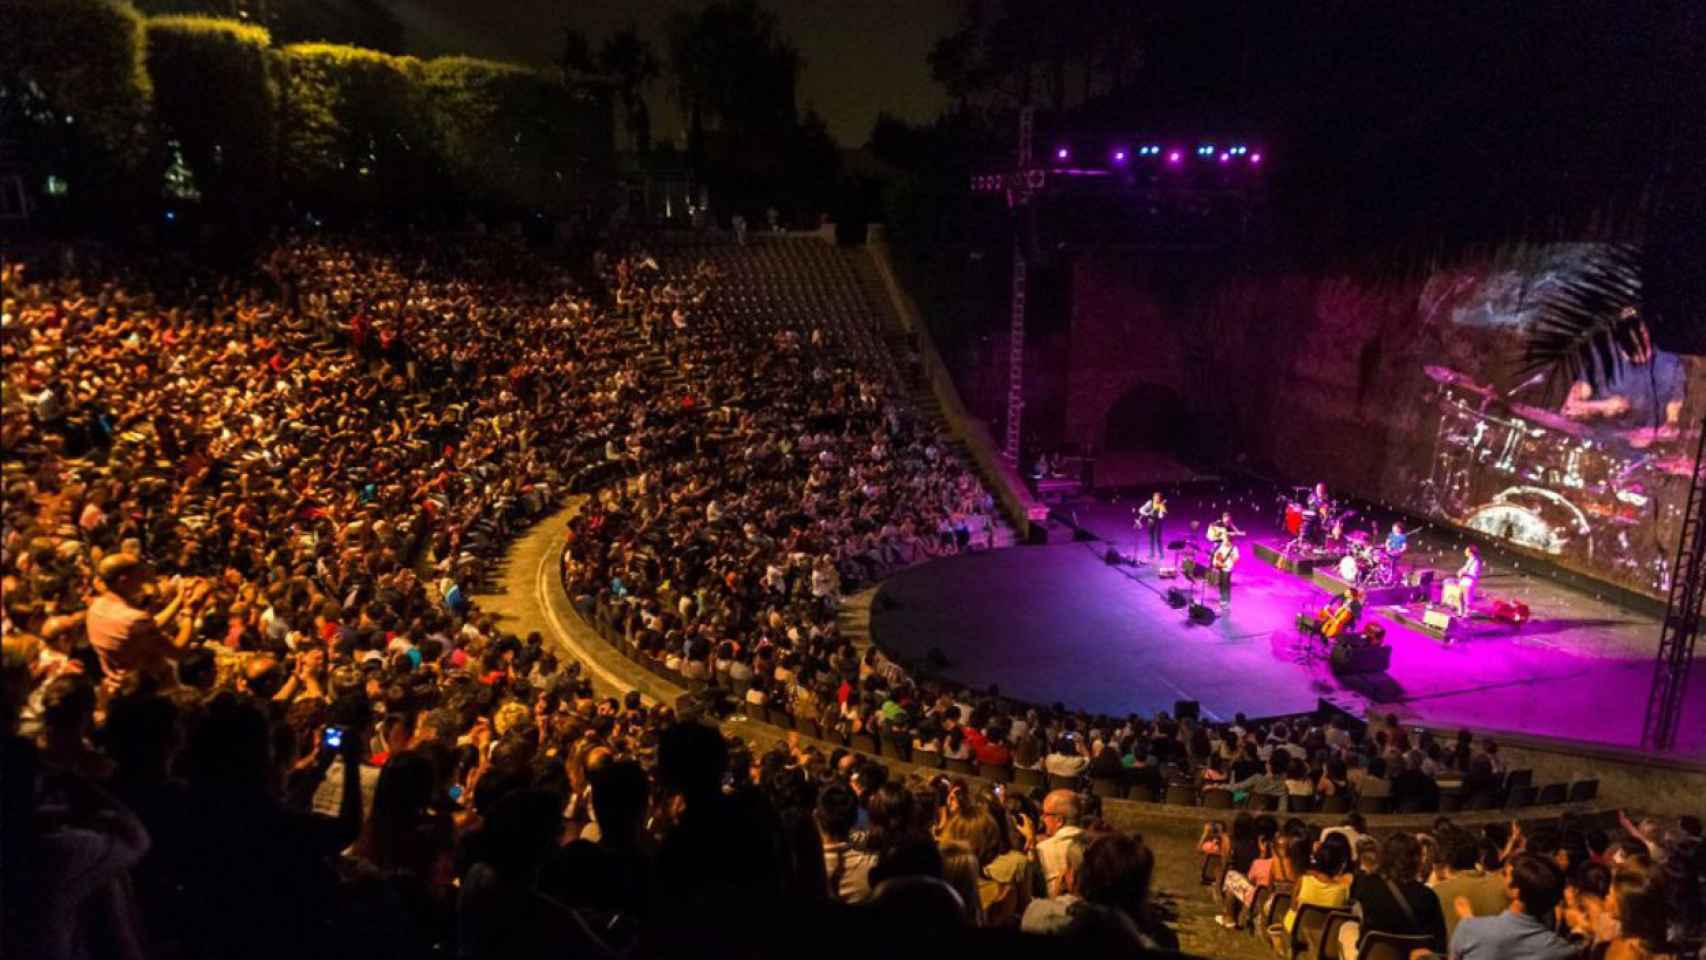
(1057, 623)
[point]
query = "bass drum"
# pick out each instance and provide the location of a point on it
(1350, 570)
(1535, 518)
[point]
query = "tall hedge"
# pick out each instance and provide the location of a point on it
(505, 134)
(356, 130)
(74, 83)
(216, 93)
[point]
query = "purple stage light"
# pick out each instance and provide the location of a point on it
(1174, 156)
(1255, 158)
(1062, 153)
(1225, 157)
(1119, 156)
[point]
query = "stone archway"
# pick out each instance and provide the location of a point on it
(1147, 416)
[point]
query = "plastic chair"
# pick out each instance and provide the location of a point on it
(1521, 797)
(1214, 799)
(1212, 866)
(1552, 794)
(1390, 946)
(1307, 930)
(1327, 947)
(1583, 791)
(1107, 787)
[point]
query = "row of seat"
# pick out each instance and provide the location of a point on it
(1517, 790)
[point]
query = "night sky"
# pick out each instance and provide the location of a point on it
(861, 56)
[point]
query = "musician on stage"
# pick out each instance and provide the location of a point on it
(1397, 542)
(1320, 512)
(1150, 516)
(1224, 558)
(1223, 529)
(1468, 578)
(1338, 618)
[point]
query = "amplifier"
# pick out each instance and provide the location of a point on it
(1437, 618)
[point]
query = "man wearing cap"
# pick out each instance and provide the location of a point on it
(126, 638)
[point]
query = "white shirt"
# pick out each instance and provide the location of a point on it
(1051, 856)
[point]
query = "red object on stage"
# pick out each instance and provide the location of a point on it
(1293, 519)
(1513, 612)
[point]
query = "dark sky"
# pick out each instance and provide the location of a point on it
(861, 55)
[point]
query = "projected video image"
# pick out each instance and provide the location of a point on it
(1594, 477)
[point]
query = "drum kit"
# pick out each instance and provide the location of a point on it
(1543, 481)
(1367, 564)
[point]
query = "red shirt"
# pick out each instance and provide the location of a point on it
(993, 754)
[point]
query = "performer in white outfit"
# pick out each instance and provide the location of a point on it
(1468, 578)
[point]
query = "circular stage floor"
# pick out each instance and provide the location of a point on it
(1056, 624)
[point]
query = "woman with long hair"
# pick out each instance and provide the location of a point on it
(1327, 883)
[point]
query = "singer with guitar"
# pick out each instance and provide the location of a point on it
(1149, 516)
(1224, 558)
(1223, 529)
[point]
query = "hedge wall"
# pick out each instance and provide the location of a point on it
(216, 94)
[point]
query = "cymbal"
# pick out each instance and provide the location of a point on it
(1451, 378)
(1550, 420)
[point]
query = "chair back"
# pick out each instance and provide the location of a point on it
(1058, 782)
(1584, 790)
(1181, 795)
(1371, 804)
(1107, 787)
(964, 768)
(1390, 946)
(865, 743)
(1212, 866)
(1307, 929)
(927, 758)
(1211, 799)
(1521, 797)
(1337, 803)
(1552, 794)
(1002, 773)
(1026, 777)
(1327, 946)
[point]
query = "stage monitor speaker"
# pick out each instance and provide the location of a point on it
(1436, 618)
(1187, 710)
(1177, 598)
(1201, 614)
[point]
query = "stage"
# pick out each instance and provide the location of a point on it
(1058, 624)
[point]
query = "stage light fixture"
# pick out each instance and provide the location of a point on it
(1061, 153)
(1255, 158)
(1119, 155)
(1175, 157)
(1225, 157)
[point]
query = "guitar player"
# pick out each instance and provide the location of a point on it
(1149, 516)
(1225, 557)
